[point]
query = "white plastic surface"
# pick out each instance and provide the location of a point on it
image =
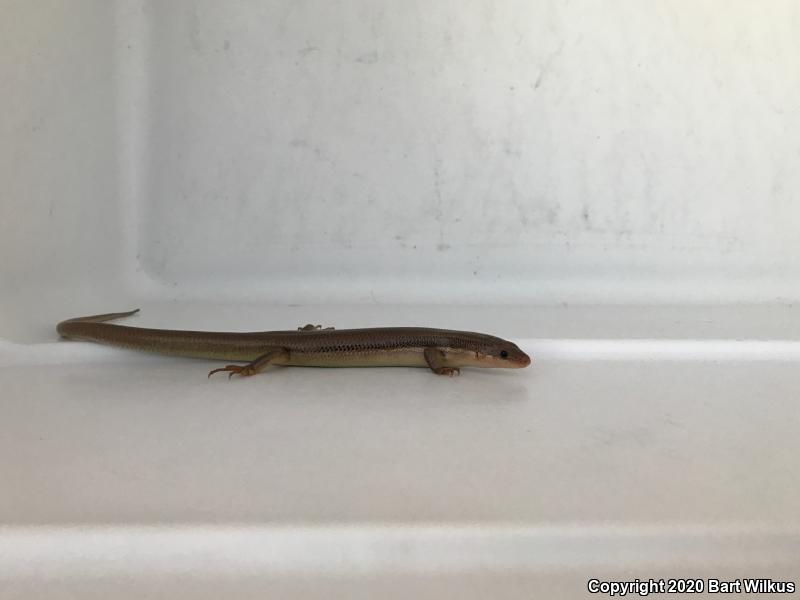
(612, 185)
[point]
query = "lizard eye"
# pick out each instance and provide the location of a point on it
(504, 354)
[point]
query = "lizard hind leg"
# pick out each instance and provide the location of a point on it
(255, 366)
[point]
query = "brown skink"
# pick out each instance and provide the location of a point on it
(442, 350)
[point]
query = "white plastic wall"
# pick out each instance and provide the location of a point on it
(489, 151)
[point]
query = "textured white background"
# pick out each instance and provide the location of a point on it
(484, 151)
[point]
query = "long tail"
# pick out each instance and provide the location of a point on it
(66, 330)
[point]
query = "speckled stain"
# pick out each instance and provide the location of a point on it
(586, 218)
(438, 212)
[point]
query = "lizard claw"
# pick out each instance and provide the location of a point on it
(449, 371)
(242, 370)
